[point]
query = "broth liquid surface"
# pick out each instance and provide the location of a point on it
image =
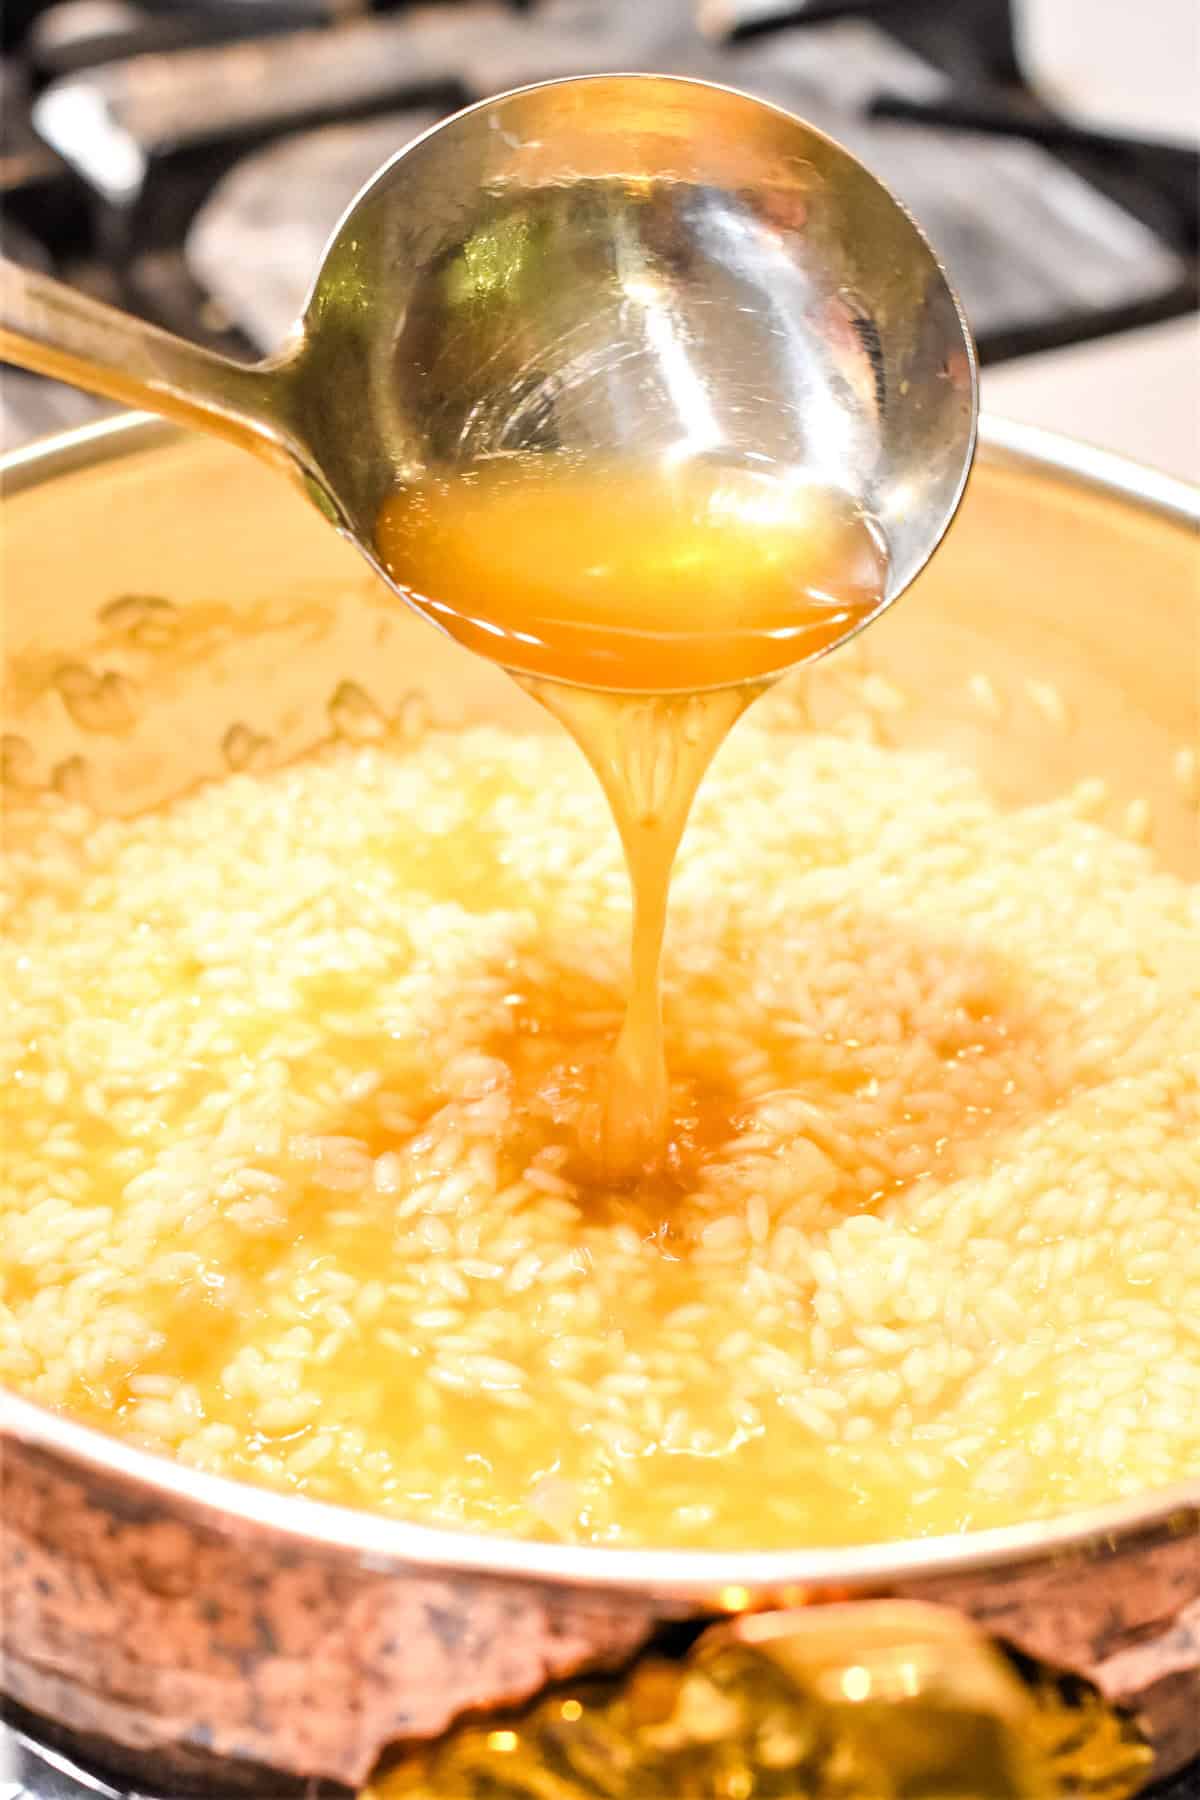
(645, 606)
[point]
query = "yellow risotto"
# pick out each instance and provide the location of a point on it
(295, 1068)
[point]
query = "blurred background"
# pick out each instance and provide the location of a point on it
(186, 159)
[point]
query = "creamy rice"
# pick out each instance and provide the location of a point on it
(294, 1069)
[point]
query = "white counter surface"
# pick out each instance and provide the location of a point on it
(1133, 69)
(1138, 393)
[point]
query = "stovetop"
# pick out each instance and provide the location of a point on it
(186, 158)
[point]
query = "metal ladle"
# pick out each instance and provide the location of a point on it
(609, 265)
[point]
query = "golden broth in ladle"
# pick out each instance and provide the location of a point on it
(648, 577)
(645, 604)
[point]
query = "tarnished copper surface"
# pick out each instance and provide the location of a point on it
(180, 1643)
(179, 1639)
(1130, 1623)
(1160, 1680)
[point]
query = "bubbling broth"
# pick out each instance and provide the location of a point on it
(645, 605)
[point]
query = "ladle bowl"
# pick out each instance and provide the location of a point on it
(609, 266)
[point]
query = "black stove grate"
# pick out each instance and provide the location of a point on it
(1053, 234)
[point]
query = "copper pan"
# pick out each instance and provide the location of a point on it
(173, 611)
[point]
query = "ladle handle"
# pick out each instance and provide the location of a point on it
(54, 330)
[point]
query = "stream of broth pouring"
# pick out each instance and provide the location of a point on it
(646, 605)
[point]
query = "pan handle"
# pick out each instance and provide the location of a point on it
(896, 1700)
